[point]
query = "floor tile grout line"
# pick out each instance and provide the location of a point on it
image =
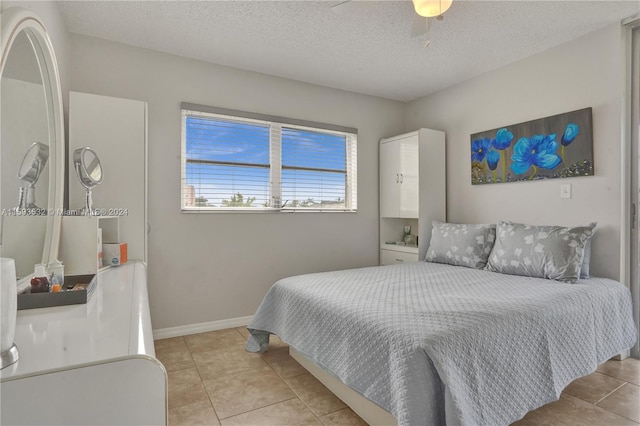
(610, 393)
(195, 366)
(272, 369)
(302, 400)
(613, 412)
(307, 405)
(215, 413)
(259, 408)
(599, 408)
(616, 377)
(242, 335)
(618, 414)
(293, 390)
(605, 409)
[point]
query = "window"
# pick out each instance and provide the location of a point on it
(242, 161)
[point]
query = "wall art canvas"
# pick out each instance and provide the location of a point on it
(558, 146)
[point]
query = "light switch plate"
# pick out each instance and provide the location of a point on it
(565, 190)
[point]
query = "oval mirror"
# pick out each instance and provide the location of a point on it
(31, 143)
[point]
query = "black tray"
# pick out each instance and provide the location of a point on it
(26, 300)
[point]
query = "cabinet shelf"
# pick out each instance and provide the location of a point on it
(396, 247)
(79, 242)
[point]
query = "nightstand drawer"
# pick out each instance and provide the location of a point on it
(390, 257)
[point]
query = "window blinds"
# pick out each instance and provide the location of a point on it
(240, 163)
(226, 163)
(314, 169)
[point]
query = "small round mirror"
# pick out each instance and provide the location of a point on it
(29, 172)
(88, 167)
(89, 172)
(33, 163)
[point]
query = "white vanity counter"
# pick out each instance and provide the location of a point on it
(92, 363)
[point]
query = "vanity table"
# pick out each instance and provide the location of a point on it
(83, 364)
(88, 364)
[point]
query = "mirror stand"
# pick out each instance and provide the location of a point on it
(89, 171)
(27, 198)
(87, 210)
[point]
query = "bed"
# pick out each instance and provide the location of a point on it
(438, 344)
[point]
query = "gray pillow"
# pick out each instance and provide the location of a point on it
(586, 260)
(461, 244)
(552, 252)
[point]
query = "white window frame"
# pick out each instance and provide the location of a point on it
(275, 158)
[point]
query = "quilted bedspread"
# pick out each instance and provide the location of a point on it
(501, 344)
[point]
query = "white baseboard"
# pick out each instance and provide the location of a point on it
(183, 330)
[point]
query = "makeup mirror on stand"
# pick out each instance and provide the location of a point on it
(29, 172)
(89, 172)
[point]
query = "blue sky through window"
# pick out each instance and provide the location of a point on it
(214, 147)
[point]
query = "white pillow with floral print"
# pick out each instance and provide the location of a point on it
(461, 244)
(552, 252)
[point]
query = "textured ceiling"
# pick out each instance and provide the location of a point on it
(367, 49)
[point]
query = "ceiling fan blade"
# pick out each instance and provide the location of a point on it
(420, 26)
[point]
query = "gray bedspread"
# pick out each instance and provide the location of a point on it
(501, 344)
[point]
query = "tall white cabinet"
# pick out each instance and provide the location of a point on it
(399, 171)
(116, 129)
(412, 192)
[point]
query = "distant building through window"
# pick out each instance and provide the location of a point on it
(189, 195)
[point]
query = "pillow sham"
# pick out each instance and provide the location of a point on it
(552, 252)
(461, 244)
(586, 260)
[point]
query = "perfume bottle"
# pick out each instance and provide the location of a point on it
(56, 272)
(40, 281)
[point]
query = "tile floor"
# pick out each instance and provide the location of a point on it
(214, 381)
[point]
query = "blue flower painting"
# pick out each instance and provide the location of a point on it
(547, 148)
(480, 148)
(536, 151)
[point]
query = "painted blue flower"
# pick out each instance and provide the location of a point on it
(492, 159)
(570, 133)
(480, 148)
(503, 139)
(539, 151)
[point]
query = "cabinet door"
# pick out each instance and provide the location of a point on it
(408, 157)
(389, 179)
(116, 129)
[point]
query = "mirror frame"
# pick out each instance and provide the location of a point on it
(13, 21)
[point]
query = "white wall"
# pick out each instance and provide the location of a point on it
(207, 267)
(582, 73)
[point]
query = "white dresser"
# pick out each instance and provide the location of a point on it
(88, 364)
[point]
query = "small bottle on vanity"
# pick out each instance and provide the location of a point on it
(39, 282)
(56, 274)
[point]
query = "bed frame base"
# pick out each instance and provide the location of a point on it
(370, 412)
(622, 355)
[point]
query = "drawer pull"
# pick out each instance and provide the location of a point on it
(399, 260)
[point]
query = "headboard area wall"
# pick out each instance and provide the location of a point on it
(582, 73)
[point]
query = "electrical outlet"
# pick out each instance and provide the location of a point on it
(565, 190)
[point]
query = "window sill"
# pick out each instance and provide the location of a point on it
(263, 211)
